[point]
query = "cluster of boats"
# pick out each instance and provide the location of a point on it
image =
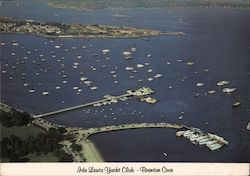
(88, 83)
(148, 99)
(140, 66)
(40, 59)
(109, 99)
(197, 137)
(142, 93)
(128, 54)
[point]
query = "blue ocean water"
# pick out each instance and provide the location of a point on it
(217, 41)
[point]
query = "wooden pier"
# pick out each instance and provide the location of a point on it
(141, 92)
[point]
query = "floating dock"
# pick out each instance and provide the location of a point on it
(197, 137)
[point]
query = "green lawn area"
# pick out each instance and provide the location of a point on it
(22, 132)
(42, 158)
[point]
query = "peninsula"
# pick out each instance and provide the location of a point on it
(54, 29)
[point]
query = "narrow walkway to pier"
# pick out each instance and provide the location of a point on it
(81, 106)
(145, 91)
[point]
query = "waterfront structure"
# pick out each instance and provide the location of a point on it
(108, 99)
(80, 135)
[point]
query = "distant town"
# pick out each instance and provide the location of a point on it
(53, 29)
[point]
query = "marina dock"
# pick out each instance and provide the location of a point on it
(142, 93)
(195, 135)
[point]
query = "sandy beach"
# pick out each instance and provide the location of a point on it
(90, 152)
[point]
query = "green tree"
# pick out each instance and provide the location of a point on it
(62, 130)
(76, 147)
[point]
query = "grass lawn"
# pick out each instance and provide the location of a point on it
(22, 132)
(33, 158)
(42, 158)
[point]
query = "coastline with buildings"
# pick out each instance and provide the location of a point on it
(54, 29)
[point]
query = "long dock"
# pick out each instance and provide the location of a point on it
(145, 91)
(80, 106)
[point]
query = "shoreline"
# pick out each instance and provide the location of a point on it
(89, 149)
(145, 8)
(91, 152)
(145, 38)
(86, 31)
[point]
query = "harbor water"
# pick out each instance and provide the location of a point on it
(40, 75)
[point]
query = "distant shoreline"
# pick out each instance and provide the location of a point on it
(89, 31)
(146, 38)
(155, 8)
(64, 6)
